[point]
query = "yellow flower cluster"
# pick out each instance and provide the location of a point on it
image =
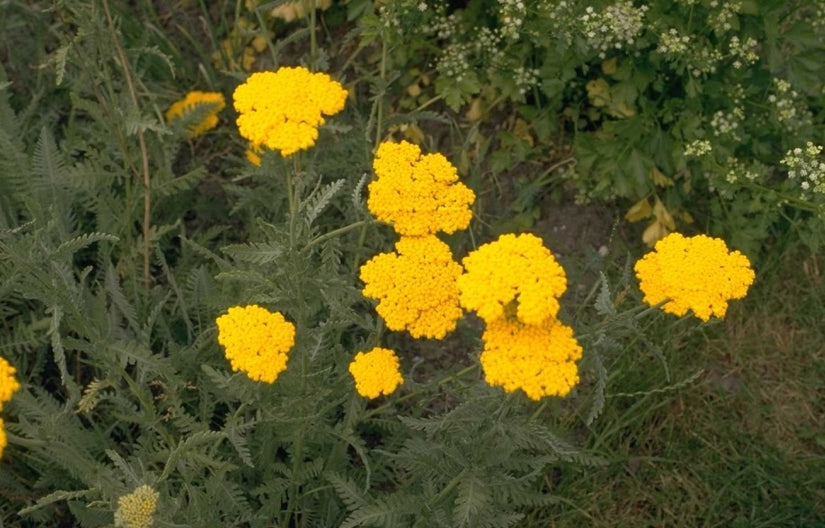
(415, 286)
(418, 194)
(136, 509)
(693, 273)
(213, 100)
(376, 372)
(515, 271)
(282, 110)
(538, 359)
(514, 284)
(8, 383)
(256, 341)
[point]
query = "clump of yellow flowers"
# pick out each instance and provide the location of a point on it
(282, 110)
(514, 284)
(136, 509)
(376, 372)
(214, 101)
(256, 341)
(418, 194)
(8, 386)
(416, 287)
(695, 273)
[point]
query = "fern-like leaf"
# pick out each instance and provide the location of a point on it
(317, 202)
(255, 252)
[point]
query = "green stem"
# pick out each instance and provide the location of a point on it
(380, 113)
(335, 232)
(313, 43)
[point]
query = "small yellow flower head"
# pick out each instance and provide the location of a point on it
(136, 509)
(696, 273)
(253, 157)
(376, 372)
(418, 194)
(8, 383)
(282, 110)
(256, 341)
(3, 439)
(538, 359)
(416, 287)
(215, 102)
(513, 269)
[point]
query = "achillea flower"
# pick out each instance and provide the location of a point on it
(214, 101)
(253, 157)
(376, 372)
(8, 383)
(416, 287)
(136, 509)
(282, 110)
(538, 359)
(512, 272)
(696, 273)
(256, 341)
(418, 194)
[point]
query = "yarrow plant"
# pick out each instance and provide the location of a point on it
(282, 110)
(697, 274)
(376, 372)
(256, 341)
(214, 102)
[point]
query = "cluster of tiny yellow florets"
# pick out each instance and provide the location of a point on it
(538, 359)
(517, 271)
(256, 341)
(693, 273)
(136, 509)
(418, 194)
(214, 101)
(282, 110)
(376, 372)
(514, 285)
(8, 386)
(415, 286)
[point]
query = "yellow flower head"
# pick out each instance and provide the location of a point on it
(212, 100)
(256, 341)
(3, 440)
(513, 269)
(282, 110)
(8, 383)
(416, 287)
(418, 194)
(696, 273)
(538, 359)
(376, 372)
(136, 509)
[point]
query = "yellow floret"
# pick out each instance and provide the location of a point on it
(3, 439)
(696, 273)
(256, 341)
(376, 372)
(8, 383)
(418, 194)
(512, 272)
(538, 359)
(416, 287)
(212, 100)
(282, 110)
(136, 509)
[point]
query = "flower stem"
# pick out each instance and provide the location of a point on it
(335, 232)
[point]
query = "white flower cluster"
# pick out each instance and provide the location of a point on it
(672, 43)
(743, 52)
(614, 28)
(455, 61)
(722, 20)
(402, 15)
(525, 78)
(727, 123)
(511, 14)
(806, 166)
(737, 170)
(698, 148)
(790, 109)
(704, 61)
(562, 15)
